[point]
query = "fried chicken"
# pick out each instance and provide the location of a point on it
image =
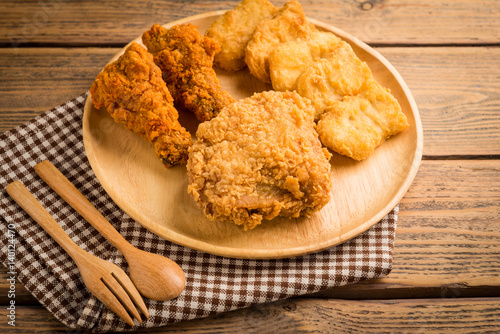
(186, 59)
(288, 24)
(133, 92)
(289, 60)
(357, 125)
(259, 159)
(330, 79)
(235, 28)
(355, 113)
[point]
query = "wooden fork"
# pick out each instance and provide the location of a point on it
(155, 276)
(104, 279)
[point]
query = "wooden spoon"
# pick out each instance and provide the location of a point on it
(155, 276)
(103, 279)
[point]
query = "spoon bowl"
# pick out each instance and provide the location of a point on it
(155, 276)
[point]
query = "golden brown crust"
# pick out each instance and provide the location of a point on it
(357, 125)
(288, 24)
(330, 79)
(259, 159)
(289, 60)
(234, 29)
(133, 92)
(186, 59)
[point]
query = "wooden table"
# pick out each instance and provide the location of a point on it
(446, 274)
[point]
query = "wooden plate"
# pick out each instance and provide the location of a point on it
(156, 197)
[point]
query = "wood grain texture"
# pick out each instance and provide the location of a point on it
(458, 94)
(375, 21)
(32, 319)
(22, 296)
(364, 191)
(309, 315)
(447, 240)
(54, 77)
(456, 89)
(155, 277)
(105, 280)
(449, 226)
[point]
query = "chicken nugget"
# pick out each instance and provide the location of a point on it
(234, 29)
(186, 59)
(289, 60)
(330, 79)
(133, 92)
(357, 125)
(288, 24)
(259, 159)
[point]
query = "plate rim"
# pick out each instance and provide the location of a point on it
(242, 253)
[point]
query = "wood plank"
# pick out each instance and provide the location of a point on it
(309, 315)
(447, 240)
(383, 289)
(301, 315)
(457, 89)
(54, 77)
(117, 22)
(18, 293)
(31, 319)
(449, 226)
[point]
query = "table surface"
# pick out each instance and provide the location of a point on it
(446, 274)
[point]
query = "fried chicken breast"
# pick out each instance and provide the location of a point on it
(234, 29)
(258, 159)
(133, 92)
(186, 59)
(288, 60)
(288, 24)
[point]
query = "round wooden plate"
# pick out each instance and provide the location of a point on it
(156, 197)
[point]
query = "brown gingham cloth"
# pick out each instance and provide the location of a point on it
(213, 284)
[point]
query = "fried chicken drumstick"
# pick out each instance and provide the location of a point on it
(186, 59)
(133, 92)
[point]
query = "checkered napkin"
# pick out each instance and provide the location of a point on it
(213, 284)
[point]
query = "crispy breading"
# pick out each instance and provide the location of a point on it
(288, 60)
(288, 24)
(186, 59)
(357, 125)
(259, 159)
(234, 29)
(133, 92)
(330, 79)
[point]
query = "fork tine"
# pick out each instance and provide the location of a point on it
(92, 269)
(129, 286)
(115, 287)
(109, 299)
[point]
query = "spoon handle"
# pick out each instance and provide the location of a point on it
(62, 186)
(22, 196)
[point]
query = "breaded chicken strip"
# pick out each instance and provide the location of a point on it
(330, 79)
(186, 59)
(357, 125)
(259, 159)
(288, 60)
(133, 92)
(288, 24)
(235, 28)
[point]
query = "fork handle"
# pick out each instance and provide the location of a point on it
(22, 196)
(62, 186)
